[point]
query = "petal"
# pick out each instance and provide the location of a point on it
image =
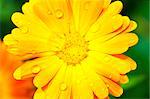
(45, 75)
(99, 64)
(39, 94)
(131, 27)
(106, 3)
(66, 86)
(117, 45)
(31, 67)
(126, 23)
(32, 24)
(53, 89)
(80, 88)
(122, 65)
(128, 60)
(124, 79)
(85, 13)
(114, 88)
(58, 11)
(113, 9)
(110, 25)
(97, 85)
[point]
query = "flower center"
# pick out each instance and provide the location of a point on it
(74, 50)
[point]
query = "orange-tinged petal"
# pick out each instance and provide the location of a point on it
(114, 88)
(132, 26)
(124, 79)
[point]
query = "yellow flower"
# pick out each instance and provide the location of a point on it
(73, 48)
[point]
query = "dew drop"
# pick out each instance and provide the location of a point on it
(36, 69)
(59, 13)
(49, 12)
(63, 86)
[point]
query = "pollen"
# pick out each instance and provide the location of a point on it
(75, 49)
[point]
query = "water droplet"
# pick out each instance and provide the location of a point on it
(49, 12)
(59, 14)
(36, 69)
(86, 5)
(63, 86)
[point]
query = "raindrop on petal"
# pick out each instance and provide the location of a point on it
(59, 13)
(49, 12)
(63, 86)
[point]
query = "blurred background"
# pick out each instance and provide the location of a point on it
(137, 10)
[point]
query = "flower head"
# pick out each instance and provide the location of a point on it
(73, 48)
(11, 88)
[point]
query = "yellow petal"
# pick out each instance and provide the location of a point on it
(120, 63)
(98, 62)
(26, 69)
(80, 87)
(106, 3)
(95, 82)
(66, 86)
(131, 27)
(85, 13)
(126, 23)
(60, 13)
(117, 45)
(109, 26)
(128, 60)
(54, 86)
(39, 94)
(34, 26)
(114, 88)
(45, 75)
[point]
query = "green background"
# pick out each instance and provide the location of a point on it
(137, 10)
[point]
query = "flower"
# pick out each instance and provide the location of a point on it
(11, 88)
(73, 48)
